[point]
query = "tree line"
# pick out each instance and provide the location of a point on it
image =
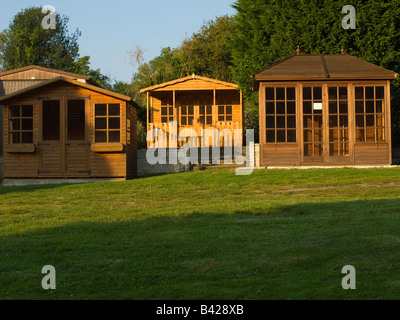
(228, 48)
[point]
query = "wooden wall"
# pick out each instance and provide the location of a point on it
(103, 161)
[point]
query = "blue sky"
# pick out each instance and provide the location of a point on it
(112, 28)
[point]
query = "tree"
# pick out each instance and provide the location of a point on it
(26, 42)
(266, 32)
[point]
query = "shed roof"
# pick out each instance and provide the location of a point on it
(191, 78)
(45, 70)
(71, 81)
(324, 67)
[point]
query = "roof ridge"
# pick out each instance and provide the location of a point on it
(26, 68)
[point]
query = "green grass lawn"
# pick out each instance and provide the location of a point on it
(206, 235)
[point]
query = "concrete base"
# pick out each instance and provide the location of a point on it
(30, 182)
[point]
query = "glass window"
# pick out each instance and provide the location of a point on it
(20, 124)
(107, 123)
(370, 113)
(280, 109)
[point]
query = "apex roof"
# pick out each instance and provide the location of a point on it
(187, 79)
(324, 67)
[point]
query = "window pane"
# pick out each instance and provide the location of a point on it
(114, 136)
(221, 109)
(370, 121)
(381, 134)
(280, 122)
(270, 122)
(291, 122)
(280, 93)
(271, 136)
(291, 107)
(307, 135)
(332, 93)
(15, 137)
(308, 152)
(333, 107)
(360, 133)
(359, 106)
(228, 118)
(183, 121)
(183, 110)
(209, 120)
(27, 124)
(15, 111)
(291, 136)
(202, 110)
(333, 121)
(114, 123)
(360, 121)
(114, 109)
(101, 136)
(163, 120)
(307, 107)
(379, 107)
(209, 109)
(164, 111)
(190, 110)
(280, 136)
(360, 93)
(280, 108)
(270, 108)
(343, 107)
(290, 94)
(27, 111)
(101, 109)
(101, 123)
(370, 132)
(369, 107)
(27, 137)
(343, 93)
(269, 94)
(171, 111)
(380, 93)
(369, 92)
(318, 121)
(228, 109)
(15, 124)
(380, 120)
(307, 122)
(333, 135)
(317, 93)
(190, 121)
(51, 120)
(307, 93)
(343, 121)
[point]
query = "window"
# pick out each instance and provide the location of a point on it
(280, 114)
(206, 115)
(224, 113)
(76, 120)
(167, 111)
(312, 122)
(107, 123)
(370, 113)
(21, 124)
(51, 120)
(338, 121)
(187, 115)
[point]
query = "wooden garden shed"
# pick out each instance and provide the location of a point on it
(197, 103)
(65, 128)
(324, 110)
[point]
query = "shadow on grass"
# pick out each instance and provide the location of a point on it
(291, 252)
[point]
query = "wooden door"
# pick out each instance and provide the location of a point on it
(50, 150)
(77, 146)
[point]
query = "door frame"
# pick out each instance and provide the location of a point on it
(327, 159)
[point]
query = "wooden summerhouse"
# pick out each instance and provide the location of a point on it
(324, 110)
(196, 103)
(65, 128)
